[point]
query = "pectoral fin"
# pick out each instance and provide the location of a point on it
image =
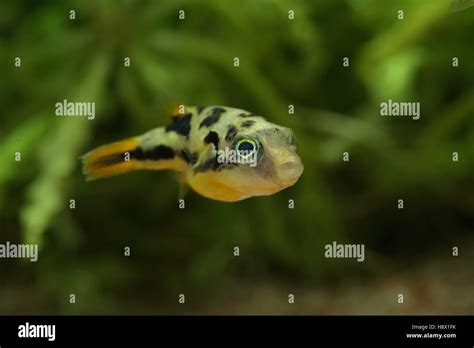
(183, 186)
(207, 160)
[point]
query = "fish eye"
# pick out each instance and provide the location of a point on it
(246, 146)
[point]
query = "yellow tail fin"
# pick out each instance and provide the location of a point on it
(110, 159)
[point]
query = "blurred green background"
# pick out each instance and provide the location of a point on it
(282, 62)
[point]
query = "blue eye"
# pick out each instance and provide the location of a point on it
(246, 145)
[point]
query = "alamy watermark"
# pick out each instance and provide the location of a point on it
(393, 108)
(346, 251)
(228, 156)
(28, 330)
(11, 250)
(67, 108)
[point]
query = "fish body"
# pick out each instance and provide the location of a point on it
(223, 153)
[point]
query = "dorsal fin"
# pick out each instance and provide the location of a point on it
(171, 107)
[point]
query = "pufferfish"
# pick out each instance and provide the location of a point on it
(192, 144)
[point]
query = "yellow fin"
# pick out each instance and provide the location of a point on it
(110, 159)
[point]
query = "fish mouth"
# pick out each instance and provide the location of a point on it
(290, 172)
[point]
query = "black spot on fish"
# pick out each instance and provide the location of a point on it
(247, 124)
(213, 118)
(159, 152)
(180, 125)
(200, 108)
(212, 138)
(190, 158)
(249, 114)
(231, 133)
(110, 160)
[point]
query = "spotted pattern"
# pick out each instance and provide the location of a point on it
(231, 133)
(213, 118)
(247, 124)
(156, 153)
(180, 125)
(160, 152)
(212, 138)
(249, 114)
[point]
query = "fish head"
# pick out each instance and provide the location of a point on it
(267, 161)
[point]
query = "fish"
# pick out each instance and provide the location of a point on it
(196, 145)
(459, 5)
